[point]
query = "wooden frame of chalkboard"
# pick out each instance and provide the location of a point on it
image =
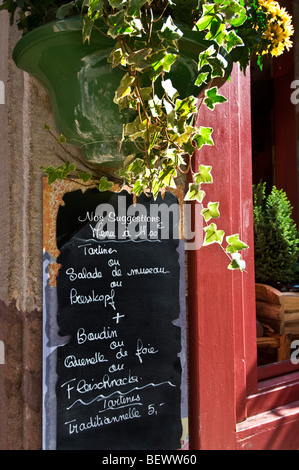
(114, 320)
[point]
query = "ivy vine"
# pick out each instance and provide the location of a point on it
(147, 37)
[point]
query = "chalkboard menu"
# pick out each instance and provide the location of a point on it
(114, 326)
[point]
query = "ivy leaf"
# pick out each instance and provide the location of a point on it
(237, 262)
(233, 40)
(61, 139)
(169, 32)
(124, 88)
(167, 177)
(203, 22)
(52, 174)
(133, 127)
(155, 187)
(213, 235)
(169, 89)
(146, 93)
(58, 173)
(212, 98)
(203, 175)
(208, 13)
(203, 137)
(218, 64)
(117, 57)
(84, 176)
(134, 7)
(155, 105)
(137, 167)
(194, 193)
(202, 77)
(235, 244)
(189, 147)
(88, 25)
(160, 61)
(186, 106)
(123, 173)
(169, 59)
(216, 30)
(234, 12)
(94, 6)
(169, 110)
(174, 156)
(137, 59)
(104, 184)
(203, 58)
(211, 212)
(129, 159)
(156, 62)
(138, 187)
(118, 4)
(118, 25)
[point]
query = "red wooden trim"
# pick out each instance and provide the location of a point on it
(193, 338)
(244, 298)
(274, 393)
(277, 429)
(247, 336)
(285, 129)
(222, 308)
(277, 382)
(224, 387)
(276, 370)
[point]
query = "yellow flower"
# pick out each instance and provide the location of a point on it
(269, 5)
(276, 36)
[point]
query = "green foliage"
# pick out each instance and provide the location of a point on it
(213, 235)
(147, 38)
(211, 212)
(213, 98)
(58, 173)
(104, 184)
(235, 244)
(276, 242)
(34, 13)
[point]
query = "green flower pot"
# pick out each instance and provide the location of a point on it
(81, 84)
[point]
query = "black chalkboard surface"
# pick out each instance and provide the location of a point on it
(119, 374)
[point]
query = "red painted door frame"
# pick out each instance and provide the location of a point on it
(285, 129)
(227, 401)
(285, 124)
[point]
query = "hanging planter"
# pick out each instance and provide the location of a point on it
(81, 84)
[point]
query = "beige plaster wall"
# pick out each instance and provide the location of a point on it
(24, 147)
